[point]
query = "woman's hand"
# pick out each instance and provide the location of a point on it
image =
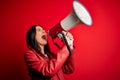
(69, 38)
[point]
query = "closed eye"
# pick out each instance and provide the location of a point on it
(40, 29)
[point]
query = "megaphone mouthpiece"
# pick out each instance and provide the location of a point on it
(55, 30)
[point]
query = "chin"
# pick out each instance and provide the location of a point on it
(45, 43)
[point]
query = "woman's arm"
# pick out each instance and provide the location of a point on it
(69, 65)
(49, 68)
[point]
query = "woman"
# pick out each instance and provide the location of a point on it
(43, 64)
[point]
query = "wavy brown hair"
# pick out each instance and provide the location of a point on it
(32, 43)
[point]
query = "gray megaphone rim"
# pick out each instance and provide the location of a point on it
(79, 14)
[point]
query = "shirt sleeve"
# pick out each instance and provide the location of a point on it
(69, 65)
(49, 68)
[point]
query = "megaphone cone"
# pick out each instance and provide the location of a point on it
(79, 15)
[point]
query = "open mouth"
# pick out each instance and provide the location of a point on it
(44, 37)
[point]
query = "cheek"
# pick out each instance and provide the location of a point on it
(38, 38)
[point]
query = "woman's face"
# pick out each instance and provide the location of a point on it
(41, 36)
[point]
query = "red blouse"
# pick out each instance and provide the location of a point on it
(41, 67)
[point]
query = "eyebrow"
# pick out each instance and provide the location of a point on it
(40, 28)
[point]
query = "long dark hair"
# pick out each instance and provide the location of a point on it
(32, 43)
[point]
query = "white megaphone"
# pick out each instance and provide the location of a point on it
(79, 15)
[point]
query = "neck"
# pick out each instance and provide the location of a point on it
(42, 49)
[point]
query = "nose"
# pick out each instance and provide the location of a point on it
(43, 31)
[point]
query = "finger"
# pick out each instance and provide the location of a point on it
(64, 32)
(69, 34)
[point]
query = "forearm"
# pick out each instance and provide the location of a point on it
(69, 65)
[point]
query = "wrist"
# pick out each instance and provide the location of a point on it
(71, 47)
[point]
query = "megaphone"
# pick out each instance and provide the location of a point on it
(79, 15)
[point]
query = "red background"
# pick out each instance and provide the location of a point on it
(97, 52)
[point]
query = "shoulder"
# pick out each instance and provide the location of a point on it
(31, 56)
(29, 53)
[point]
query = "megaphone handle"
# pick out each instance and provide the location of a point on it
(65, 40)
